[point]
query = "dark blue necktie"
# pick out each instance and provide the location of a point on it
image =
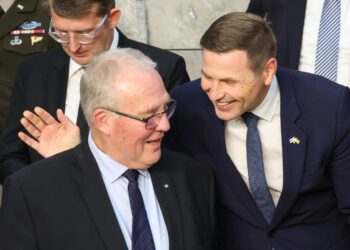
(256, 173)
(328, 40)
(141, 232)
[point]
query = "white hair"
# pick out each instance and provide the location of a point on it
(100, 78)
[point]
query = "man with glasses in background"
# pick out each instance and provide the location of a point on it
(118, 190)
(51, 80)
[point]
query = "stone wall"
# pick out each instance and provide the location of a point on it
(175, 25)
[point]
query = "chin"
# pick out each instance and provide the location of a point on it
(225, 115)
(153, 159)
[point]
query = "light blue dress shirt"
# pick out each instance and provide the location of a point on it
(117, 189)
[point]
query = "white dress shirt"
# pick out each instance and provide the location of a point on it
(73, 87)
(117, 189)
(310, 34)
(269, 127)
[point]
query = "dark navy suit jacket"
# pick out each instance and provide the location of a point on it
(61, 203)
(287, 22)
(314, 207)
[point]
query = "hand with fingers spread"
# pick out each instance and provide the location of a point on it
(47, 135)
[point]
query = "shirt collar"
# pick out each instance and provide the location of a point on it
(111, 170)
(6, 4)
(267, 108)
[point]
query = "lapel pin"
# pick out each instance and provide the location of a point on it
(20, 6)
(166, 185)
(294, 140)
(36, 39)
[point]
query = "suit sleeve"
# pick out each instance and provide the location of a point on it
(16, 225)
(13, 152)
(340, 161)
(177, 74)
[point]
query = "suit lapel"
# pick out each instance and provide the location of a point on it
(16, 15)
(232, 191)
(57, 82)
(293, 152)
(296, 12)
(123, 40)
(97, 200)
(165, 190)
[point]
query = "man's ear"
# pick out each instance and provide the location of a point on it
(269, 70)
(102, 121)
(113, 17)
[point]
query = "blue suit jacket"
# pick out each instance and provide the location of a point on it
(287, 22)
(313, 210)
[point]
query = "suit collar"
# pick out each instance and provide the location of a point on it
(123, 40)
(293, 153)
(16, 15)
(97, 200)
(57, 80)
(168, 199)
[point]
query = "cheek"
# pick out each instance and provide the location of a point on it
(205, 84)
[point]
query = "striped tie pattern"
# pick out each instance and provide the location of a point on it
(328, 40)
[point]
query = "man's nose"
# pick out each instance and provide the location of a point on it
(73, 45)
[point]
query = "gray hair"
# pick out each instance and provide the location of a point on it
(100, 78)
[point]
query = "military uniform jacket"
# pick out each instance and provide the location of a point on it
(23, 32)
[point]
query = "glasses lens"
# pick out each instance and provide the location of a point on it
(61, 38)
(83, 38)
(170, 109)
(153, 121)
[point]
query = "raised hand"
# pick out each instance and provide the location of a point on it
(47, 135)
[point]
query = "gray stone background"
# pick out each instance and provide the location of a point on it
(174, 25)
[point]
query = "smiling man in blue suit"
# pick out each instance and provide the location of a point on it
(278, 141)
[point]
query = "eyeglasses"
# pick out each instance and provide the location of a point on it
(152, 121)
(82, 38)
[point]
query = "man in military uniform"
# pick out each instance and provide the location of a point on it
(24, 26)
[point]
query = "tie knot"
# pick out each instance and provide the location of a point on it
(250, 119)
(132, 175)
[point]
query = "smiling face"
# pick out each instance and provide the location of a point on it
(140, 92)
(83, 53)
(231, 85)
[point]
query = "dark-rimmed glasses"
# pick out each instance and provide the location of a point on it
(151, 121)
(82, 38)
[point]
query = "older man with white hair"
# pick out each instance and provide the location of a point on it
(118, 190)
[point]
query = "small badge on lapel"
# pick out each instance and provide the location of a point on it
(20, 6)
(294, 140)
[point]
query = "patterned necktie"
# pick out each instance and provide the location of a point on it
(256, 173)
(328, 40)
(141, 232)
